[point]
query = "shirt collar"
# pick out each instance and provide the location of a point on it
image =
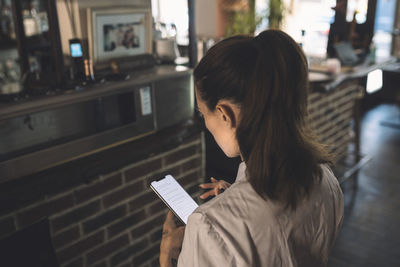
(241, 174)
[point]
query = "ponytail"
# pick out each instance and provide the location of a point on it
(267, 76)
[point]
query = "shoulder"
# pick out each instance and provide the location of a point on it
(198, 225)
(329, 181)
(235, 227)
(203, 244)
(219, 210)
(233, 202)
(238, 210)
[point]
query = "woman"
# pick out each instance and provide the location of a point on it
(285, 207)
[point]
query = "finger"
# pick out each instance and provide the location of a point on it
(224, 186)
(216, 191)
(207, 194)
(205, 186)
(220, 188)
(214, 180)
(170, 216)
(169, 222)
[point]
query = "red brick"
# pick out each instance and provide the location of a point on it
(142, 170)
(191, 165)
(75, 215)
(80, 247)
(125, 193)
(45, 209)
(146, 255)
(142, 200)
(107, 249)
(192, 138)
(192, 190)
(189, 178)
(98, 188)
(66, 237)
(156, 235)
(156, 208)
(128, 252)
(139, 231)
(125, 223)
(104, 218)
(180, 155)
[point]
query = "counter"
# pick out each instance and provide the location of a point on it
(330, 82)
(44, 131)
(64, 98)
(98, 203)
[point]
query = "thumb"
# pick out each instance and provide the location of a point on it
(170, 216)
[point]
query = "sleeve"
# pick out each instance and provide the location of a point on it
(202, 245)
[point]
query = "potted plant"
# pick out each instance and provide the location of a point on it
(276, 10)
(243, 18)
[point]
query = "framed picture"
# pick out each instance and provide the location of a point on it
(118, 32)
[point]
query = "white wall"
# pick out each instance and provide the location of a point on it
(65, 24)
(80, 7)
(206, 18)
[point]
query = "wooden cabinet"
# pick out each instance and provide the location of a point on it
(38, 43)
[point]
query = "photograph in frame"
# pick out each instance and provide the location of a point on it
(118, 33)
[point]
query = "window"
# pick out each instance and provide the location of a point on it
(384, 22)
(172, 18)
(314, 17)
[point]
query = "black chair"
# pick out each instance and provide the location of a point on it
(31, 247)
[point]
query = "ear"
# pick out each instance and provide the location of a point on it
(227, 114)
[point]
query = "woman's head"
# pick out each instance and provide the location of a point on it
(258, 87)
(222, 123)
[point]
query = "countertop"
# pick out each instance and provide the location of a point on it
(323, 81)
(60, 98)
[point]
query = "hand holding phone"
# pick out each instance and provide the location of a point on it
(175, 197)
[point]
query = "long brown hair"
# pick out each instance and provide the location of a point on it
(267, 77)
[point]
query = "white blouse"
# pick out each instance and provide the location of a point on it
(239, 228)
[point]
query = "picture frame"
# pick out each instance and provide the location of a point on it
(118, 33)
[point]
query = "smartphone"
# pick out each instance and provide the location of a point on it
(175, 197)
(75, 47)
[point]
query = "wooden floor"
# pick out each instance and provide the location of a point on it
(370, 234)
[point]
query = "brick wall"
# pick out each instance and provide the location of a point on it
(115, 220)
(331, 114)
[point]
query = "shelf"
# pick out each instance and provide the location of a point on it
(37, 42)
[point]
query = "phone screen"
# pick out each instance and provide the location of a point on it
(175, 197)
(76, 50)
